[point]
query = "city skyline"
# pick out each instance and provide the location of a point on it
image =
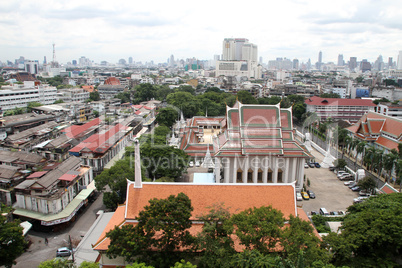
(154, 31)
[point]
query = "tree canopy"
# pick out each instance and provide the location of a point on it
(169, 218)
(371, 233)
(12, 243)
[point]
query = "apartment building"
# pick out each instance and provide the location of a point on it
(339, 109)
(19, 95)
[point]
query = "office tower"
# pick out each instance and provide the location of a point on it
(340, 60)
(319, 63)
(378, 64)
(390, 63)
(352, 63)
(31, 66)
(399, 66)
(74, 62)
(295, 64)
(308, 65)
(171, 61)
(238, 49)
(365, 66)
(261, 60)
(130, 60)
(44, 60)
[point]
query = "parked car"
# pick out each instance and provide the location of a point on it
(356, 189)
(331, 168)
(343, 173)
(346, 176)
(305, 165)
(359, 199)
(335, 213)
(313, 212)
(347, 183)
(299, 197)
(305, 196)
(341, 213)
(311, 164)
(197, 163)
(317, 165)
(63, 252)
(311, 194)
(364, 193)
(191, 164)
(354, 184)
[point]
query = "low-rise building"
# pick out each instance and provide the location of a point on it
(390, 109)
(339, 109)
(97, 150)
(56, 196)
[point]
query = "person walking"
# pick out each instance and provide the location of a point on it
(46, 241)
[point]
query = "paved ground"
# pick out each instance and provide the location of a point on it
(331, 193)
(39, 252)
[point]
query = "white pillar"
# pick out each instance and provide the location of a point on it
(137, 166)
(234, 171)
(286, 173)
(265, 173)
(294, 169)
(245, 169)
(226, 170)
(217, 170)
(275, 170)
(255, 175)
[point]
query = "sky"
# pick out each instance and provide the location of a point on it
(153, 30)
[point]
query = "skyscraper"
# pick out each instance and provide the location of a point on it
(352, 63)
(319, 63)
(340, 60)
(399, 66)
(239, 49)
(390, 63)
(130, 60)
(295, 64)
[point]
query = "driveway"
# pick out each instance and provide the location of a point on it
(330, 192)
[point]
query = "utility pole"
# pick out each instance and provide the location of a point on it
(71, 246)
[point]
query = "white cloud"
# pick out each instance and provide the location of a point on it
(153, 30)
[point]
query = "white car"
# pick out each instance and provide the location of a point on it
(306, 165)
(347, 183)
(342, 174)
(299, 197)
(191, 164)
(360, 199)
(197, 163)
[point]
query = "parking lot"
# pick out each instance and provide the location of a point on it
(330, 192)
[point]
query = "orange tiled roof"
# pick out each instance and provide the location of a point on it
(387, 143)
(116, 220)
(236, 197)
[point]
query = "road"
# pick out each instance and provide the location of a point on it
(39, 252)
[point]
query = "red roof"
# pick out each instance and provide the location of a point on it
(75, 130)
(37, 174)
(67, 177)
(318, 101)
(99, 143)
(112, 81)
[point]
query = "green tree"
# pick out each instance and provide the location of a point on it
(330, 95)
(167, 116)
(184, 264)
(340, 163)
(161, 131)
(371, 234)
(246, 97)
(56, 263)
(258, 228)
(298, 111)
(12, 243)
(144, 92)
(58, 101)
(360, 147)
(185, 88)
(124, 96)
(87, 264)
(367, 183)
(33, 104)
(299, 236)
(113, 182)
(214, 240)
(185, 102)
(94, 95)
(139, 265)
(162, 92)
(271, 100)
(161, 231)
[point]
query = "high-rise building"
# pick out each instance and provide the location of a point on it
(352, 63)
(378, 64)
(130, 60)
(31, 66)
(319, 62)
(365, 65)
(171, 61)
(399, 66)
(340, 60)
(239, 58)
(390, 63)
(295, 64)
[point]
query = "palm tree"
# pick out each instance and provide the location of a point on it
(390, 160)
(360, 150)
(348, 140)
(369, 156)
(353, 144)
(379, 158)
